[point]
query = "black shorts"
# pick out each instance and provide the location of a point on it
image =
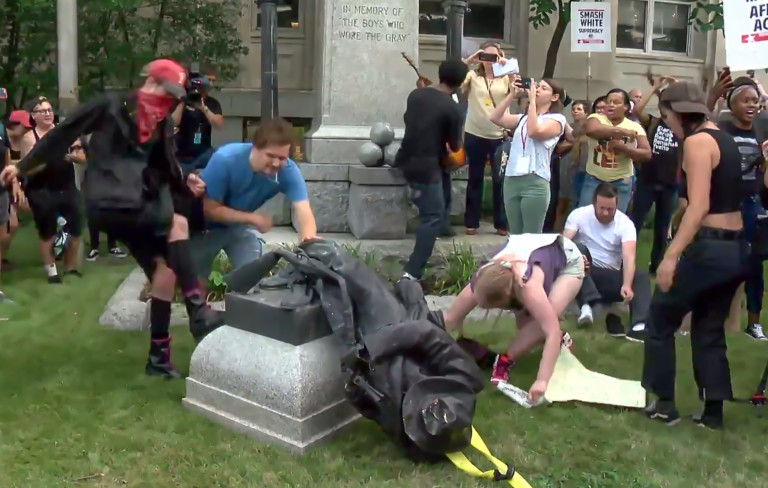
(47, 206)
(145, 240)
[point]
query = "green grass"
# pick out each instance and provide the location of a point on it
(75, 403)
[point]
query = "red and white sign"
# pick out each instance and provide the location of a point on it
(591, 27)
(746, 34)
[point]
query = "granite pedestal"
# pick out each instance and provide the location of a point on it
(378, 203)
(279, 384)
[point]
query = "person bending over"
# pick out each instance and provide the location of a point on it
(432, 121)
(611, 239)
(239, 179)
(135, 191)
(537, 276)
(703, 265)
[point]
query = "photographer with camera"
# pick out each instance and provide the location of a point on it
(194, 118)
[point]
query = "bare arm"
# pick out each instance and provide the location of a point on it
(698, 169)
(501, 116)
(216, 120)
(218, 212)
(7, 157)
(596, 130)
(639, 154)
(176, 114)
(542, 131)
(628, 254)
(27, 143)
(306, 220)
(537, 304)
(569, 233)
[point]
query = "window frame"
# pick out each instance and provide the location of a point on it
(284, 32)
(650, 6)
(511, 7)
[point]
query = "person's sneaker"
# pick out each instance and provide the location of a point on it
(663, 412)
(613, 325)
(586, 317)
(159, 360)
(93, 255)
(55, 280)
(708, 422)
(4, 299)
(567, 341)
(500, 369)
(117, 252)
(73, 272)
(755, 331)
(637, 333)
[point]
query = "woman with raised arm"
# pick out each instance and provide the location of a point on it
(703, 265)
(527, 170)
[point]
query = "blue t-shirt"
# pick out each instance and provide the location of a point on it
(230, 180)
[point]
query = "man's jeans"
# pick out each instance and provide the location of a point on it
(591, 183)
(665, 199)
(430, 201)
(603, 285)
(241, 244)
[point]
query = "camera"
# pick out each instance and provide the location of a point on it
(196, 85)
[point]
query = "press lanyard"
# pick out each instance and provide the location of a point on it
(524, 131)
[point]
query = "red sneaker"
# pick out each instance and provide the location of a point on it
(500, 369)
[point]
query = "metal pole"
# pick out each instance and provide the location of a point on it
(455, 27)
(66, 57)
(268, 24)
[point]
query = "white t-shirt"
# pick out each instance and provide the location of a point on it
(528, 155)
(603, 241)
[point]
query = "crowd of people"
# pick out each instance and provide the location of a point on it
(573, 197)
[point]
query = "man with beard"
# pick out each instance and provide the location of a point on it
(135, 191)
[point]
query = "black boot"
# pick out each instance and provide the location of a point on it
(202, 318)
(159, 361)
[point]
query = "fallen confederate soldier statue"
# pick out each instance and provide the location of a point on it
(401, 369)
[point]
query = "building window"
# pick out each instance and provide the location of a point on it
(654, 26)
(484, 18)
(287, 15)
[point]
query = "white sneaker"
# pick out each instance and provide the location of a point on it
(586, 317)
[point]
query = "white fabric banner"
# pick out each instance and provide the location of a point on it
(746, 34)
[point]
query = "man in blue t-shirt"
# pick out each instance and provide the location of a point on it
(239, 179)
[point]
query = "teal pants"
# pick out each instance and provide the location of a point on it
(526, 199)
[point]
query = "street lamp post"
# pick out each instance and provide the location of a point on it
(455, 32)
(268, 24)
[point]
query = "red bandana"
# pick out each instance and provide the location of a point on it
(150, 111)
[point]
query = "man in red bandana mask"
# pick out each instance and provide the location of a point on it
(135, 190)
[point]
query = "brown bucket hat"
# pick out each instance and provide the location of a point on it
(685, 97)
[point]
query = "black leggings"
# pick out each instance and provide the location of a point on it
(708, 273)
(93, 230)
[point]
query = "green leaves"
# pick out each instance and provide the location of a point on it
(116, 39)
(707, 15)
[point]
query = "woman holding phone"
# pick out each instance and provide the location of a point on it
(482, 137)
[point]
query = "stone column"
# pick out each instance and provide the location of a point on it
(362, 77)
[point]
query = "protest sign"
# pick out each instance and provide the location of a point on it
(591, 27)
(746, 34)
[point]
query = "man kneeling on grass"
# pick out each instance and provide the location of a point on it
(239, 179)
(611, 239)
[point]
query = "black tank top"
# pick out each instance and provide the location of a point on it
(726, 181)
(58, 176)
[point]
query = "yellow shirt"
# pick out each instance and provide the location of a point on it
(480, 104)
(606, 165)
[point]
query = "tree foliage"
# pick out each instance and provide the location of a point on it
(116, 39)
(705, 15)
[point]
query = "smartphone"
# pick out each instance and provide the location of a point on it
(489, 57)
(524, 83)
(3, 94)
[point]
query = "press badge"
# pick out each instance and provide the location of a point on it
(198, 138)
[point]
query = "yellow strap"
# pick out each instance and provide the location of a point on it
(463, 463)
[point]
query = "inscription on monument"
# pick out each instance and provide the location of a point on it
(369, 23)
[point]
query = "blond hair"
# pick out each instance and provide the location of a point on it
(495, 287)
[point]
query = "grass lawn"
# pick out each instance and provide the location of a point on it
(75, 403)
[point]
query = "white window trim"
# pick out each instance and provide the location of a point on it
(648, 48)
(510, 7)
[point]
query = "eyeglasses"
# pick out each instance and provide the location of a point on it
(75, 148)
(47, 111)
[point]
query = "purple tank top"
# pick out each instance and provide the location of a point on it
(551, 259)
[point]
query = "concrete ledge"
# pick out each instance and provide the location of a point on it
(124, 311)
(383, 176)
(324, 172)
(291, 396)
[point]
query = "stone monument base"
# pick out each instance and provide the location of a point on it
(285, 394)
